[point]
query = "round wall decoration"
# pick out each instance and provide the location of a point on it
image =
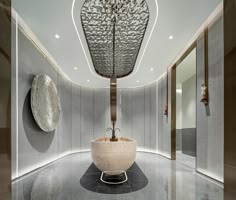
(45, 103)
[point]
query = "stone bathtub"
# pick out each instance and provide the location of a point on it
(113, 157)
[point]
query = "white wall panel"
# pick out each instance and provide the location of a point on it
(99, 113)
(76, 112)
(138, 117)
(126, 114)
(64, 140)
(210, 122)
(160, 114)
(164, 138)
(147, 118)
(86, 118)
(153, 135)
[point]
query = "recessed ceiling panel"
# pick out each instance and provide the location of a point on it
(178, 18)
(114, 30)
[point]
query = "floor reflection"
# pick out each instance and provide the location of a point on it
(168, 180)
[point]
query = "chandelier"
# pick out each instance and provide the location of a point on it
(114, 30)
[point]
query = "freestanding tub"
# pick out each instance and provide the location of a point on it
(113, 157)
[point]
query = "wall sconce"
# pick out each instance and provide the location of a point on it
(166, 106)
(204, 86)
(166, 110)
(204, 94)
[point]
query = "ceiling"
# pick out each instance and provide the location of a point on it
(186, 69)
(178, 18)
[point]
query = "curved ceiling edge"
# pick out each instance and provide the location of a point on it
(31, 36)
(40, 47)
(82, 40)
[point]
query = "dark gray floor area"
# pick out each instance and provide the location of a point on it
(136, 181)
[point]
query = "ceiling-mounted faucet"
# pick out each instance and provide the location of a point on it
(113, 133)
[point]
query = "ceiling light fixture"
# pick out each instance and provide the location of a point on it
(114, 56)
(85, 54)
(179, 91)
(171, 37)
(152, 69)
(88, 80)
(137, 81)
(57, 36)
(75, 68)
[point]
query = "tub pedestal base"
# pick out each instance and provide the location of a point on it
(110, 179)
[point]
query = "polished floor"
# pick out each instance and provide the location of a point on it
(185, 159)
(167, 180)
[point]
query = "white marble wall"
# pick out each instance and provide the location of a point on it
(138, 116)
(210, 121)
(76, 117)
(163, 125)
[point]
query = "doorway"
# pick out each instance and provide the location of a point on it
(186, 110)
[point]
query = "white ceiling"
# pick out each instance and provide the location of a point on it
(180, 18)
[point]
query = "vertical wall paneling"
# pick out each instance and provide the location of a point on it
(164, 131)
(166, 119)
(172, 104)
(126, 113)
(153, 123)
(76, 117)
(64, 88)
(147, 118)
(138, 121)
(99, 113)
(210, 122)
(157, 116)
(86, 118)
(160, 114)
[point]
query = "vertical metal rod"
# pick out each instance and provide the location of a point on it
(166, 105)
(114, 46)
(206, 57)
(206, 95)
(113, 105)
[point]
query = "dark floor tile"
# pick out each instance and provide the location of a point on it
(136, 181)
(113, 189)
(89, 178)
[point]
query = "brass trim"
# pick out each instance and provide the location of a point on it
(205, 96)
(113, 105)
(173, 113)
(186, 53)
(167, 90)
(4, 53)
